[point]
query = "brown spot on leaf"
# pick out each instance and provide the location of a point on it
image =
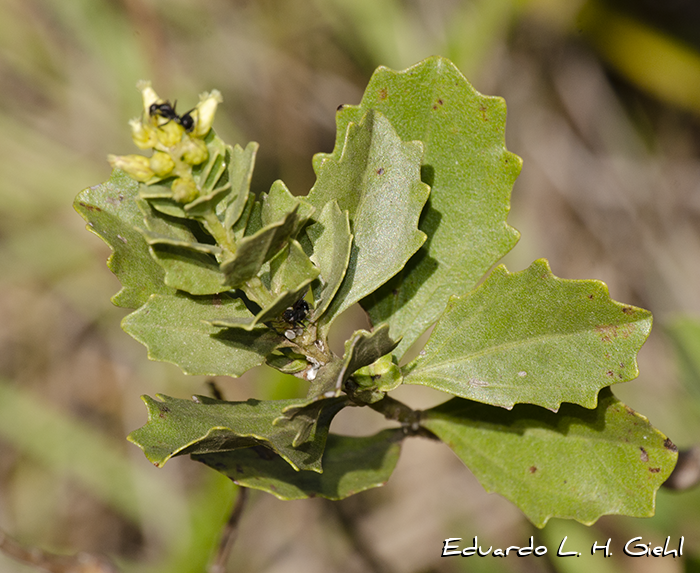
(627, 310)
(630, 411)
(591, 297)
(669, 445)
(610, 374)
(89, 207)
(655, 470)
(163, 411)
(532, 469)
(440, 102)
(380, 171)
(482, 109)
(608, 332)
(340, 107)
(643, 456)
(382, 93)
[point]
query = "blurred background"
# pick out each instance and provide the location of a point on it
(604, 107)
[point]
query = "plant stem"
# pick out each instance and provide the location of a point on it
(409, 418)
(228, 537)
(218, 231)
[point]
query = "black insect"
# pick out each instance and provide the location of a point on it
(167, 111)
(187, 121)
(296, 313)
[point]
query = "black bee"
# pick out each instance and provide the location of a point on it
(167, 111)
(296, 313)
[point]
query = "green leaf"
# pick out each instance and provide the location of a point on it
(255, 250)
(291, 272)
(190, 265)
(242, 164)
(112, 213)
(205, 426)
(361, 349)
(331, 242)
(530, 337)
(371, 383)
(176, 329)
(578, 464)
(470, 173)
(350, 465)
(377, 180)
(279, 201)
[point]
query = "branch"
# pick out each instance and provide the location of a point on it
(228, 537)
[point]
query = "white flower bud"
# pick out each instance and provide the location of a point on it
(144, 135)
(136, 166)
(205, 111)
(148, 94)
(170, 133)
(161, 163)
(185, 190)
(194, 151)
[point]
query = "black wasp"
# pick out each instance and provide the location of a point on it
(167, 111)
(296, 313)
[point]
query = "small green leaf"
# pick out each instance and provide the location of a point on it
(242, 164)
(331, 241)
(371, 383)
(291, 272)
(530, 337)
(377, 181)
(280, 201)
(361, 349)
(577, 464)
(190, 265)
(206, 426)
(189, 269)
(254, 250)
(303, 417)
(350, 465)
(175, 329)
(470, 173)
(112, 213)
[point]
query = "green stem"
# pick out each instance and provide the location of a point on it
(256, 291)
(218, 231)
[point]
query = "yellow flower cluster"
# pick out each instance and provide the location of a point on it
(177, 142)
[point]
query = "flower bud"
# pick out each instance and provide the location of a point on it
(185, 190)
(148, 94)
(144, 135)
(161, 163)
(170, 133)
(136, 166)
(194, 151)
(205, 111)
